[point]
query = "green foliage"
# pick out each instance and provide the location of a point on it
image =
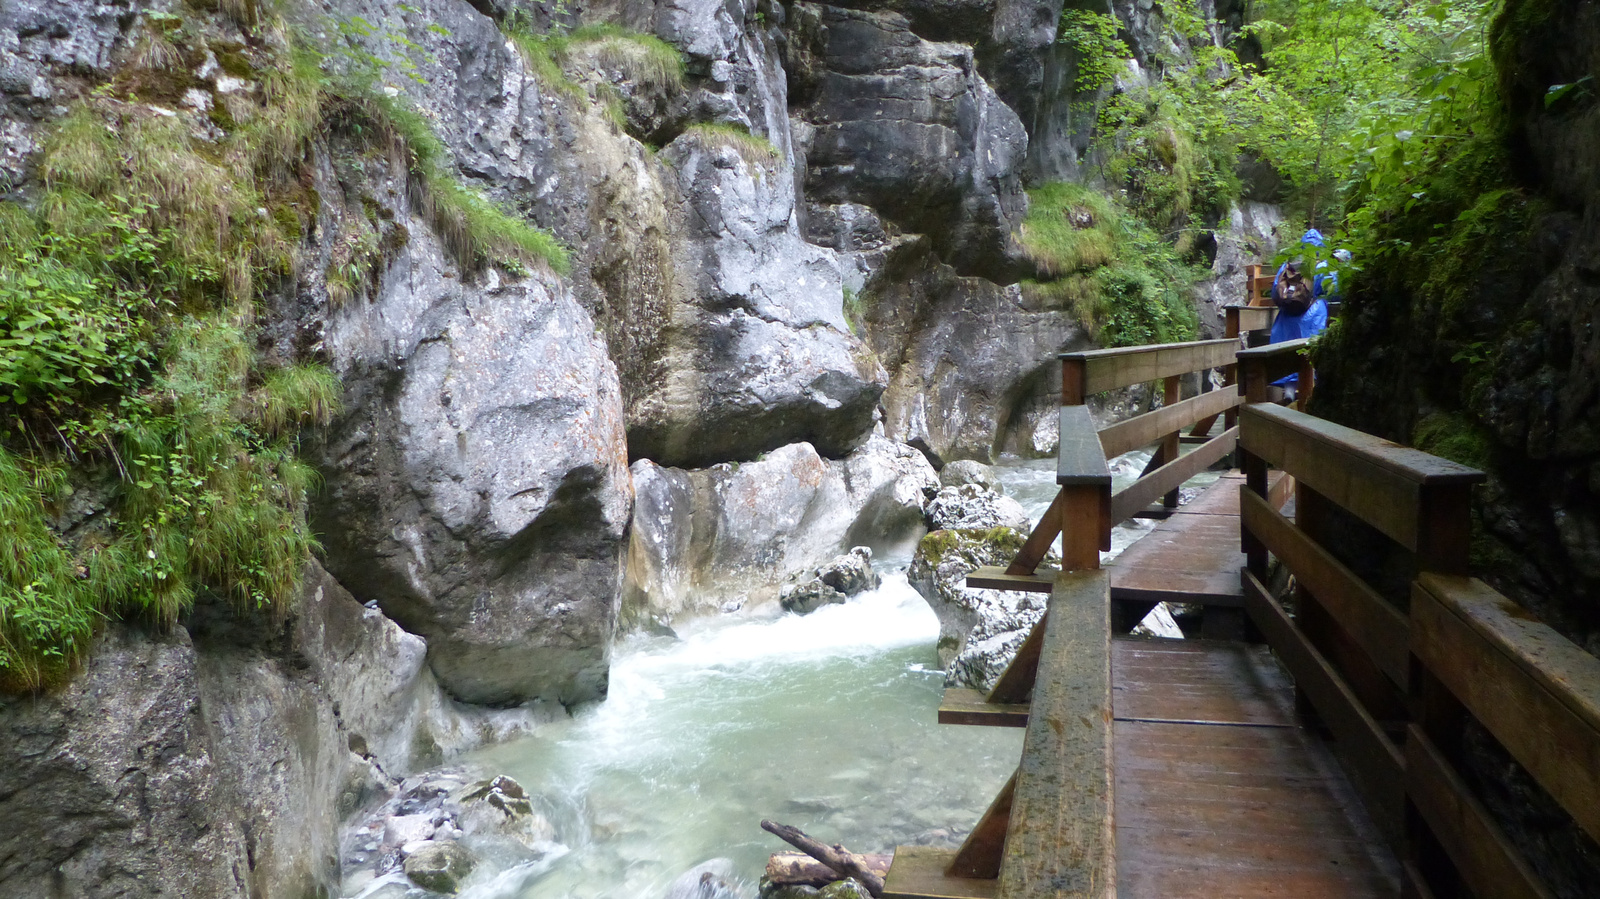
(1098, 50)
(643, 59)
(1119, 278)
(47, 612)
(297, 396)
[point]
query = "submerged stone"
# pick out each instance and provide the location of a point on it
(440, 866)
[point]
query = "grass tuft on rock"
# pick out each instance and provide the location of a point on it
(1126, 285)
(753, 149)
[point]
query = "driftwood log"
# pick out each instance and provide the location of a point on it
(799, 869)
(840, 859)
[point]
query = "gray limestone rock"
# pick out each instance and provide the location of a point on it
(973, 506)
(476, 484)
(979, 630)
(440, 866)
(834, 582)
(909, 127)
(968, 471)
(734, 533)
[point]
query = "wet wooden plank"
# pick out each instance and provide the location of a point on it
(1080, 459)
(1190, 557)
(1475, 844)
(1214, 682)
(964, 705)
(1241, 812)
(1379, 481)
(1538, 693)
(1060, 841)
(1376, 762)
(918, 872)
(1380, 629)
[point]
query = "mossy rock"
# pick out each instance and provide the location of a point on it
(970, 542)
(440, 866)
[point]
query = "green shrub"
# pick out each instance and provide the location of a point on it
(756, 151)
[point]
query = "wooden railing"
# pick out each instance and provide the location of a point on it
(1083, 374)
(1395, 686)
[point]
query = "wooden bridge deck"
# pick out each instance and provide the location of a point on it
(1218, 792)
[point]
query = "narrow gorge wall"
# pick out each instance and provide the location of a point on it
(786, 266)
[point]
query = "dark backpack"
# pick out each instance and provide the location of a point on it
(1294, 292)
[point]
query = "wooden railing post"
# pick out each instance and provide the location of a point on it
(1072, 381)
(1171, 392)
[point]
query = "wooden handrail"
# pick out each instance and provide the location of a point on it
(1099, 370)
(1260, 366)
(1418, 500)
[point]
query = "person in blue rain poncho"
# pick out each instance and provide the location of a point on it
(1324, 284)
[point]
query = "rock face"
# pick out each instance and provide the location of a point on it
(479, 487)
(979, 630)
(214, 765)
(734, 533)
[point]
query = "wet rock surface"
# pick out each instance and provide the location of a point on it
(974, 506)
(733, 534)
(834, 582)
(979, 630)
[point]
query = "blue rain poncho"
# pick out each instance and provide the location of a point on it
(1315, 318)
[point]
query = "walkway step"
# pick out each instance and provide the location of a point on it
(917, 872)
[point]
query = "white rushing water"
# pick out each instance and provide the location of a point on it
(825, 721)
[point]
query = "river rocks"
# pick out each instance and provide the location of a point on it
(834, 582)
(967, 471)
(979, 630)
(714, 879)
(973, 506)
(439, 866)
(735, 533)
(440, 826)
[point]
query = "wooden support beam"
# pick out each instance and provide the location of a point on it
(1016, 682)
(1537, 692)
(995, 578)
(1143, 430)
(1122, 366)
(1380, 482)
(918, 872)
(1038, 543)
(1380, 629)
(1061, 841)
(982, 850)
(1169, 476)
(964, 705)
(1171, 392)
(1463, 827)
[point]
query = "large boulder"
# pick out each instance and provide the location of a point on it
(763, 357)
(979, 630)
(476, 484)
(735, 533)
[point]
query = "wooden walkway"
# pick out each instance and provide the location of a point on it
(1219, 793)
(1179, 768)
